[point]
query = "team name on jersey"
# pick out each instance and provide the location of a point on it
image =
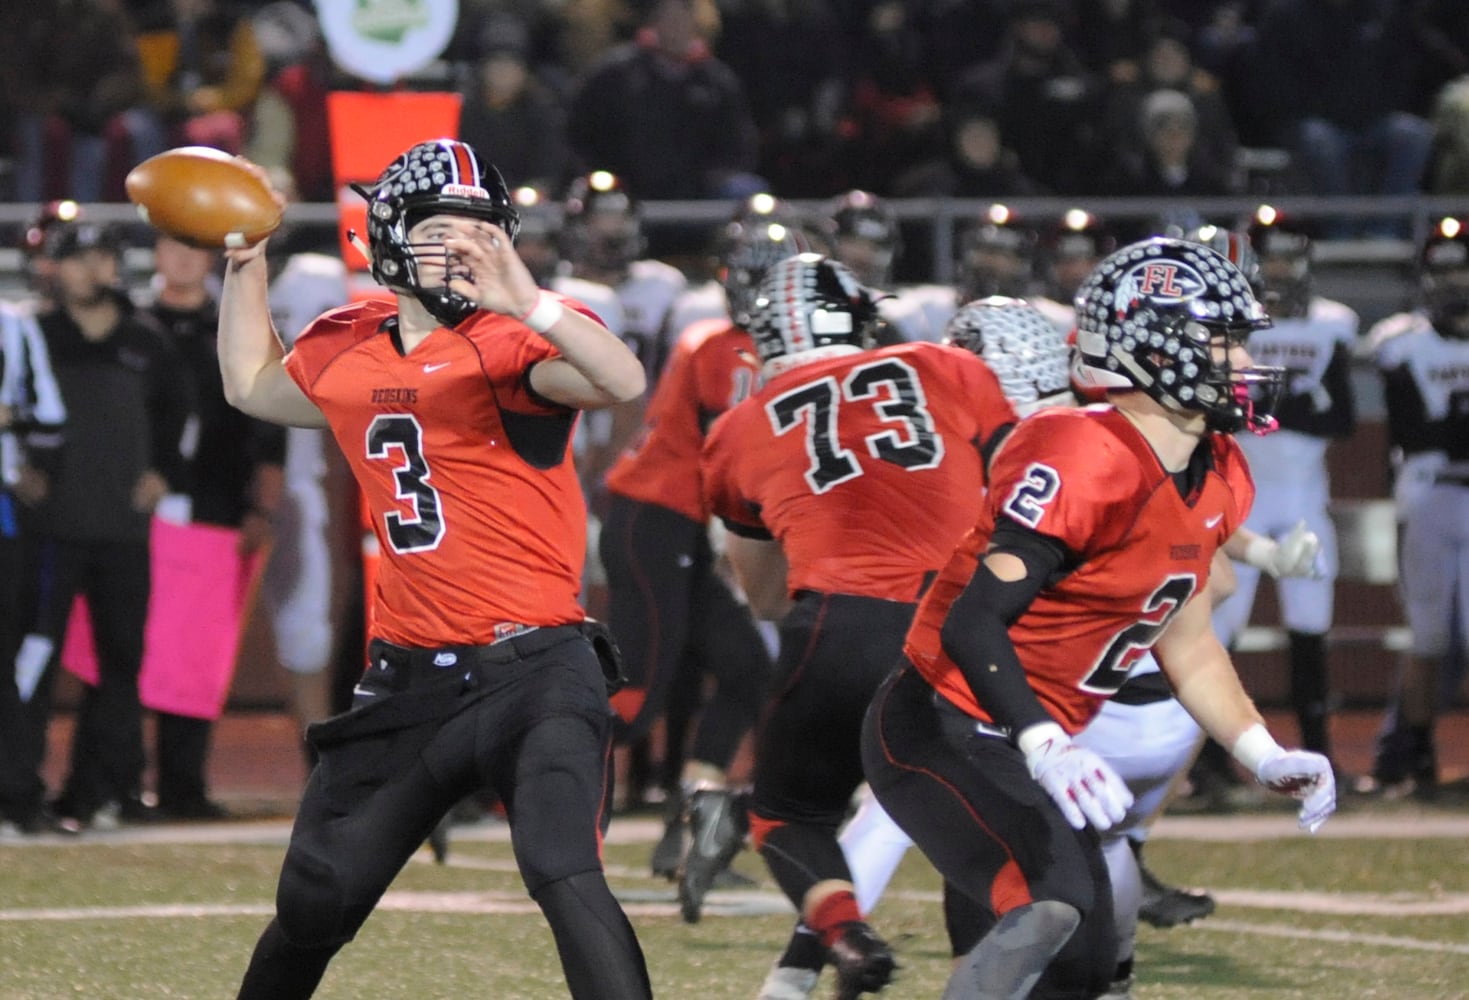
(400, 395)
(1283, 353)
(1449, 374)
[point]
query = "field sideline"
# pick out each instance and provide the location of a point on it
(1377, 904)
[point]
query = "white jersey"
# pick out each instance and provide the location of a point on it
(1304, 347)
(920, 312)
(1427, 379)
(698, 302)
(647, 295)
(596, 296)
(1061, 314)
(28, 389)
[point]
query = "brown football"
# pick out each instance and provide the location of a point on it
(203, 196)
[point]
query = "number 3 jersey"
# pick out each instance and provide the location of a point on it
(868, 467)
(1090, 480)
(466, 472)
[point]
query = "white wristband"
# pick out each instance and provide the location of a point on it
(1253, 746)
(1032, 738)
(544, 314)
(1260, 551)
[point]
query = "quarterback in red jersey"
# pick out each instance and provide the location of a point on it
(841, 443)
(455, 407)
(1093, 546)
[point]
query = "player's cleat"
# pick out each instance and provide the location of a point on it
(716, 828)
(786, 982)
(863, 961)
(668, 853)
(1168, 906)
(438, 838)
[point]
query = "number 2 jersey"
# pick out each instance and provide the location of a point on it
(868, 467)
(1090, 480)
(466, 472)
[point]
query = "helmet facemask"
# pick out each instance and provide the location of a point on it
(442, 177)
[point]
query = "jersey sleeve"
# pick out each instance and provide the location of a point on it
(719, 469)
(1066, 477)
(327, 337)
(515, 350)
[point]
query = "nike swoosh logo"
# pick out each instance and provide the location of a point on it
(1209, 522)
(359, 689)
(430, 369)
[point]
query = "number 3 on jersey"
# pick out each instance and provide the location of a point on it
(398, 435)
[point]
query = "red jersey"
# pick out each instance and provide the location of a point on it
(868, 467)
(466, 474)
(1089, 479)
(713, 367)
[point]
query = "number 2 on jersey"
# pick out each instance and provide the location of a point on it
(394, 435)
(817, 404)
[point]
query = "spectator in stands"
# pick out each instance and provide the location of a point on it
(207, 69)
(1047, 100)
(506, 109)
(78, 81)
(288, 123)
(1337, 75)
(1441, 36)
(1168, 163)
(1449, 171)
(231, 476)
(1167, 64)
(796, 81)
(975, 163)
(665, 115)
(893, 115)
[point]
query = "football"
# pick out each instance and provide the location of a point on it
(204, 197)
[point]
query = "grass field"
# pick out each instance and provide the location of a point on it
(1376, 906)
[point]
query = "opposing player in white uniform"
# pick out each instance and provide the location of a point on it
(602, 240)
(1424, 360)
(1072, 248)
(298, 577)
(1312, 338)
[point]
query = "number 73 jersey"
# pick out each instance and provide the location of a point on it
(1141, 549)
(868, 466)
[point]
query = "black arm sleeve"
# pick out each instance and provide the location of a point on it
(976, 636)
(1299, 412)
(1408, 425)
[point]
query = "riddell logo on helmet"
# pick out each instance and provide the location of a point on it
(464, 191)
(1163, 280)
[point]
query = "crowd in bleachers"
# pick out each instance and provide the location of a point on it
(716, 98)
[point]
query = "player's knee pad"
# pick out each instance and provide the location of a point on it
(311, 903)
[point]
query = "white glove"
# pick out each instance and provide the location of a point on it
(1082, 784)
(1298, 773)
(1293, 555)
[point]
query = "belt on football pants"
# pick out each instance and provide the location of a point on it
(409, 667)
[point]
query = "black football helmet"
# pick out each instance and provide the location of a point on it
(762, 231)
(862, 232)
(438, 177)
(1234, 246)
(996, 255)
(808, 302)
(1026, 352)
(601, 226)
(1072, 248)
(1284, 249)
(1147, 319)
(1443, 267)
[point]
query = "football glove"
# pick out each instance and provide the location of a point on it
(1294, 555)
(1298, 773)
(1082, 784)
